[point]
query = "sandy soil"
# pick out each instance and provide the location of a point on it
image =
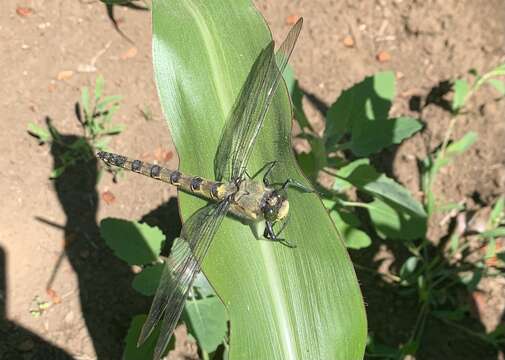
(48, 232)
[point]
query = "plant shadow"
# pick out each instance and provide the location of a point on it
(106, 296)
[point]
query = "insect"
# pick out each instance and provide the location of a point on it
(233, 191)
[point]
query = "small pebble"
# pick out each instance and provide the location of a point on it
(348, 41)
(383, 56)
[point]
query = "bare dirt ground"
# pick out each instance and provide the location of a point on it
(49, 233)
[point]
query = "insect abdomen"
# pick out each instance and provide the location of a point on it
(191, 184)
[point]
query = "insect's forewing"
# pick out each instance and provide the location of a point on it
(178, 276)
(247, 117)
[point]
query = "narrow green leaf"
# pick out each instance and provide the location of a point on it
(460, 88)
(281, 305)
(460, 146)
(497, 213)
(206, 320)
(366, 178)
(146, 282)
(133, 242)
(393, 223)
(42, 134)
(382, 133)
(99, 85)
(108, 100)
(498, 232)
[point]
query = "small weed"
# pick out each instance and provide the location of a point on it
(94, 114)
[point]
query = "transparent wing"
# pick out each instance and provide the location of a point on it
(178, 276)
(249, 111)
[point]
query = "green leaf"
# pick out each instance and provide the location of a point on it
(99, 84)
(393, 223)
(460, 146)
(341, 184)
(498, 232)
(40, 133)
(346, 223)
(358, 107)
(280, 304)
(146, 351)
(133, 242)
(497, 213)
(56, 173)
(146, 282)
(460, 88)
(498, 85)
(366, 178)
(382, 133)
(108, 100)
(206, 320)
(409, 268)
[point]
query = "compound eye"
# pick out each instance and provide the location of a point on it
(270, 214)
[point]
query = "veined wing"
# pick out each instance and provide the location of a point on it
(247, 117)
(177, 277)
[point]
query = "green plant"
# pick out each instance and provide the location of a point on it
(94, 114)
(140, 244)
(357, 126)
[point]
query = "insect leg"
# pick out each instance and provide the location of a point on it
(269, 167)
(270, 234)
(269, 231)
(297, 185)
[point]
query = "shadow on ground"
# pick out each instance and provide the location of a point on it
(16, 340)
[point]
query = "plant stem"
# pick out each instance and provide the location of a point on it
(375, 272)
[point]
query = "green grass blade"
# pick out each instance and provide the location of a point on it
(283, 303)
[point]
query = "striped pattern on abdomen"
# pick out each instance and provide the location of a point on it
(211, 190)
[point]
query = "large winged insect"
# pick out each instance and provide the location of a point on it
(232, 192)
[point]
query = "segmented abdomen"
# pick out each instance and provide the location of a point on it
(207, 189)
